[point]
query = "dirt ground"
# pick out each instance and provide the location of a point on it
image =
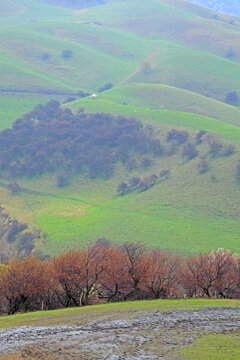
(153, 336)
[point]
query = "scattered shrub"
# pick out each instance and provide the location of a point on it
(199, 136)
(45, 56)
(134, 181)
(231, 53)
(238, 171)
(229, 150)
(105, 87)
(213, 178)
(189, 151)
(164, 173)
(67, 54)
(147, 182)
(14, 187)
(180, 136)
(214, 142)
(146, 163)
(232, 98)
(203, 166)
(82, 94)
(63, 180)
(130, 164)
(122, 188)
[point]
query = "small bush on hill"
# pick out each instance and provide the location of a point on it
(147, 182)
(231, 53)
(146, 163)
(130, 164)
(82, 94)
(238, 171)
(229, 150)
(164, 173)
(199, 136)
(122, 188)
(214, 142)
(180, 136)
(232, 98)
(45, 56)
(62, 179)
(67, 54)
(105, 87)
(14, 187)
(134, 181)
(203, 166)
(189, 151)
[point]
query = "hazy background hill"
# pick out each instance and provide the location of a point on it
(170, 64)
(225, 6)
(76, 4)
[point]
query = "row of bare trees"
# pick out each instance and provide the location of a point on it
(106, 272)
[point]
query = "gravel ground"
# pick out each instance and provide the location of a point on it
(157, 335)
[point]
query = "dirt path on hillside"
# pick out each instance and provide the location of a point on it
(148, 60)
(153, 336)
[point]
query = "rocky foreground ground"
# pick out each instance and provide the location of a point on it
(138, 335)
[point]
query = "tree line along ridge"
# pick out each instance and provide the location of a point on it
(104, 272)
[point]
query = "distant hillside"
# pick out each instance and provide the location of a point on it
(231, 7)
(76, 4)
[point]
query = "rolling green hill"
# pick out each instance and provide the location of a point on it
(166, 75)
(158, 97)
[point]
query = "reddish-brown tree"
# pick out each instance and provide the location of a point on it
(137, 268)
(161, 281)
(114, 281)
(23, 282)
(79, 272)
(213, 274)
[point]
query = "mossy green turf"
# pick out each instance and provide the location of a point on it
(214, 347)
(115, 310)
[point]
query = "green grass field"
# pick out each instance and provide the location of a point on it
(13, 106)
(214, 347)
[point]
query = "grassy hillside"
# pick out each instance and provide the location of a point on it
(159, 97)
(13, 106)
(182, 221)
(155, 42)
(168, 118)
(165, 74)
